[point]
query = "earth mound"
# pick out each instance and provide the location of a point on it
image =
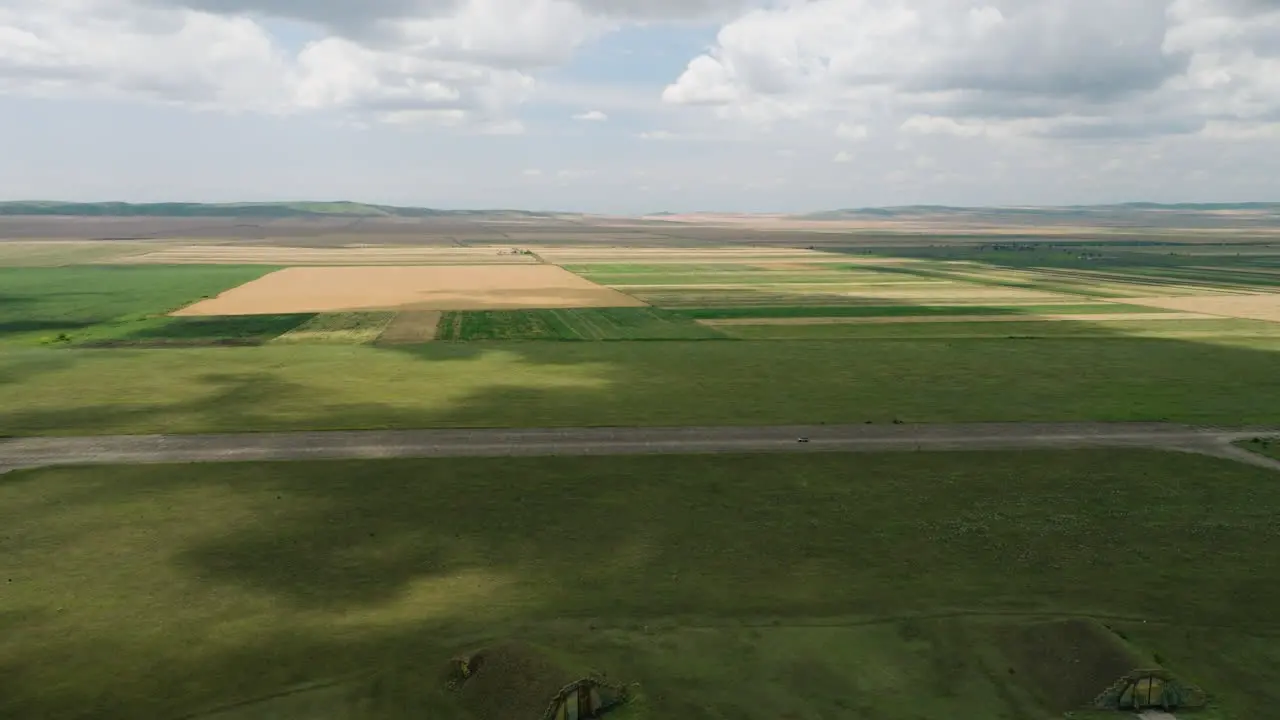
(511, 682)
(1067, 663)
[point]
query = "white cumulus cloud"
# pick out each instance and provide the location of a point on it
(1048, 68)
(443, 62)
(846, 131)
(591, 116)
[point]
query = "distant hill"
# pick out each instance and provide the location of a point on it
(1065, 212)
(269, 210)
(1122, 213)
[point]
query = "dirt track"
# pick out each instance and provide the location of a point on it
(146, 449)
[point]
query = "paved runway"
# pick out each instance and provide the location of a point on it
(19, 453)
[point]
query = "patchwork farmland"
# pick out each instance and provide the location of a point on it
(899, 586)
(577, 293)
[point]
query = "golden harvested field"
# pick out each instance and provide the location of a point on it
(462, 287)
(350, 255)
(1264, 306)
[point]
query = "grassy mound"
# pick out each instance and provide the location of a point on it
(1268, 446)
(512, 682)
(1067, 663)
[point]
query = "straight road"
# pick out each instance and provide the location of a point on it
(20, 453)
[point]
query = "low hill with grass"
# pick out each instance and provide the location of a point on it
(268, 210)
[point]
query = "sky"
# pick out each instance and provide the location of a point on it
(634, 106)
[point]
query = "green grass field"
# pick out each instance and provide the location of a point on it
(876, 585)
(1206, 330)
(572, 324)
(161, 331)
(70, 391)
(1077, 269)
(1174, 263)
(1268, 446)
(801, 311)
(93, 303)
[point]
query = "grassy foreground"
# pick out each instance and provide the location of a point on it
(729, 586)
(77, 391)
(70, 304)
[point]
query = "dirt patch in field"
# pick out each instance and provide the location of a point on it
(411, 327)
(1246, 307)
(1068, 663)
(900, 319)
(338, 289)
(512, 682)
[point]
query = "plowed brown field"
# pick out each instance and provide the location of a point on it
(337, 289)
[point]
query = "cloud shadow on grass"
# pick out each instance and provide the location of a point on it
(247, 401)
(396, 669)
(14, 304)
(20, 369)
(1110, 378)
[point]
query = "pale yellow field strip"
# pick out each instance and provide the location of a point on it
(803, 263)
(948, 292)
(659, 251)
(1092, 279)
(764, 285)
(660, 255)
(308, 333)
(1250, 270)
(343, 256)
(833, 258)
(1108, 281)
(896, 320)
(56, 253)
(461, 287)
(1265, 306)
